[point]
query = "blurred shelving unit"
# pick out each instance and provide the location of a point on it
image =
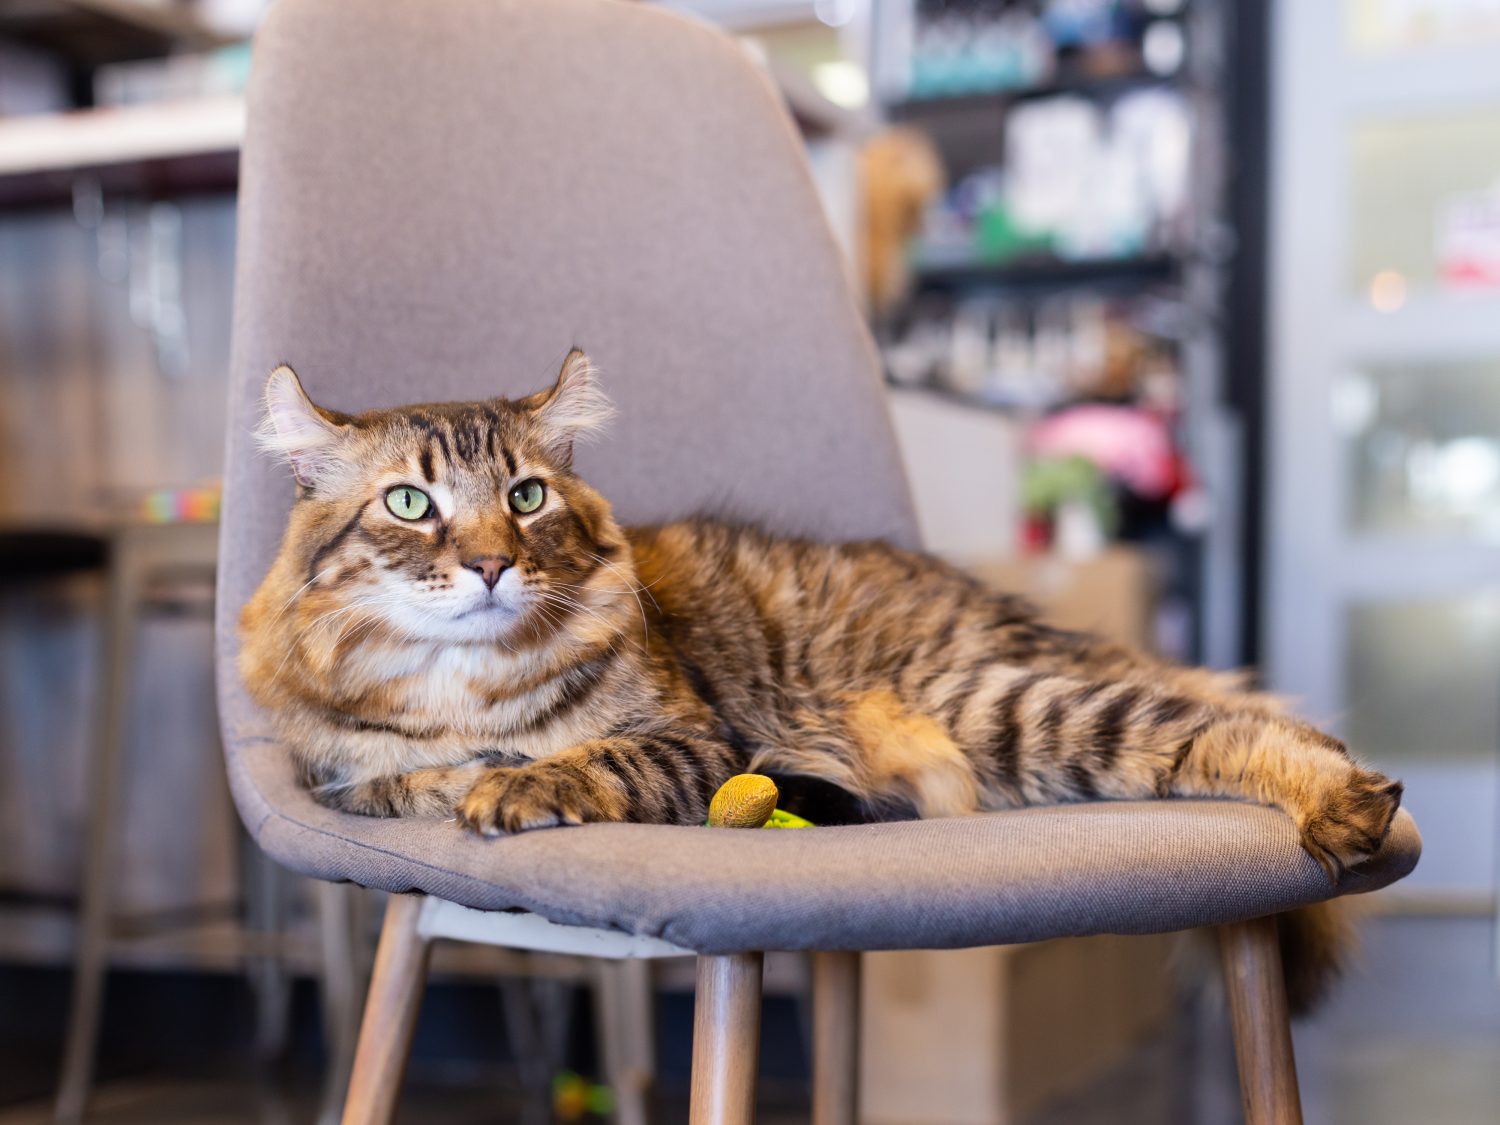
(962, 73)
(98, 137)
(173, 148)
(157, 150)
(965, 271)
(1066, 81)
(90, 33)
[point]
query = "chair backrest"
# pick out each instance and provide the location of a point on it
(438, 199)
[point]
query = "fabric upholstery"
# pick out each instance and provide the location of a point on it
(1146, 867)
(437, 201)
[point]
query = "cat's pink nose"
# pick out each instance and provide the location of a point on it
(488, 567)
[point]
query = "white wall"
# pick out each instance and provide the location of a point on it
(962, 464)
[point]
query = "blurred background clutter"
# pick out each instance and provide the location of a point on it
(1187, 310)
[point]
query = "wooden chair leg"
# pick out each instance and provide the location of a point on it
(726, 1039)
(390, 1015)
(1251, 957)
(835, 1095)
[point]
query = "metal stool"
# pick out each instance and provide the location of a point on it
(136, 557)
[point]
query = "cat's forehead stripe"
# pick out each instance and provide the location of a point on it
(468, 437)
(435, 436)
(472, 438)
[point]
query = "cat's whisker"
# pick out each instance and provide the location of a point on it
(310, 626)
(557, 601)
(288, 603)
(574, 605)
(627, 584)
(645, 626)
(589, 589)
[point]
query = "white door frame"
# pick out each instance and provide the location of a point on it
(1315, 568)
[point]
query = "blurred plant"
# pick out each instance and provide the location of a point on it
(1056, 488)
(574, 1097)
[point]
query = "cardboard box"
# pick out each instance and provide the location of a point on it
(988, 1036)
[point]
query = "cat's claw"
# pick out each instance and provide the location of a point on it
(1354, 822)
(541, 795)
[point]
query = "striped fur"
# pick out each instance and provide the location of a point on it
(624, 674)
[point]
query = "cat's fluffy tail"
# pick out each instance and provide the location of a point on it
(1317, 944)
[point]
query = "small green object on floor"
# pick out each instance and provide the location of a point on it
(574, 1097)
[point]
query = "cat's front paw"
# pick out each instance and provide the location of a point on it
(1352, 822)
(380, 796)
(539, 795)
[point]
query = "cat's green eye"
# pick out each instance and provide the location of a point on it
(528, 496)
(407, 503)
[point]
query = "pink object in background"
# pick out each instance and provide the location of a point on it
(1129, 445)
(1468, 241)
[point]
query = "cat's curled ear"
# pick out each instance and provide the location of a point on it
(298, 429)
(574, 407)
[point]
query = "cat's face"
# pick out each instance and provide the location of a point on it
(459, 522)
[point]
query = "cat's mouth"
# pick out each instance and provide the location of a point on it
(496, 610)
(486, 611)
(483, 620)
(490, 607)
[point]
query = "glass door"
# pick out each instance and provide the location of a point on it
(1384, 427)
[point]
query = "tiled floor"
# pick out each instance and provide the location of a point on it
(1413, 1037)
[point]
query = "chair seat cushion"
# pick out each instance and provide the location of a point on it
(997, 878)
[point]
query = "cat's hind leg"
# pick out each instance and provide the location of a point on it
(911, 755)
(1039, 738)
(1342, 810)
(880, 751)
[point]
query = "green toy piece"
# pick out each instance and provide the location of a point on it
(780, 818)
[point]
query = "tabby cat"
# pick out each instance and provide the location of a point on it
(456, 624)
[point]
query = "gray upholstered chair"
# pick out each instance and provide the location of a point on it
(437, 200)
